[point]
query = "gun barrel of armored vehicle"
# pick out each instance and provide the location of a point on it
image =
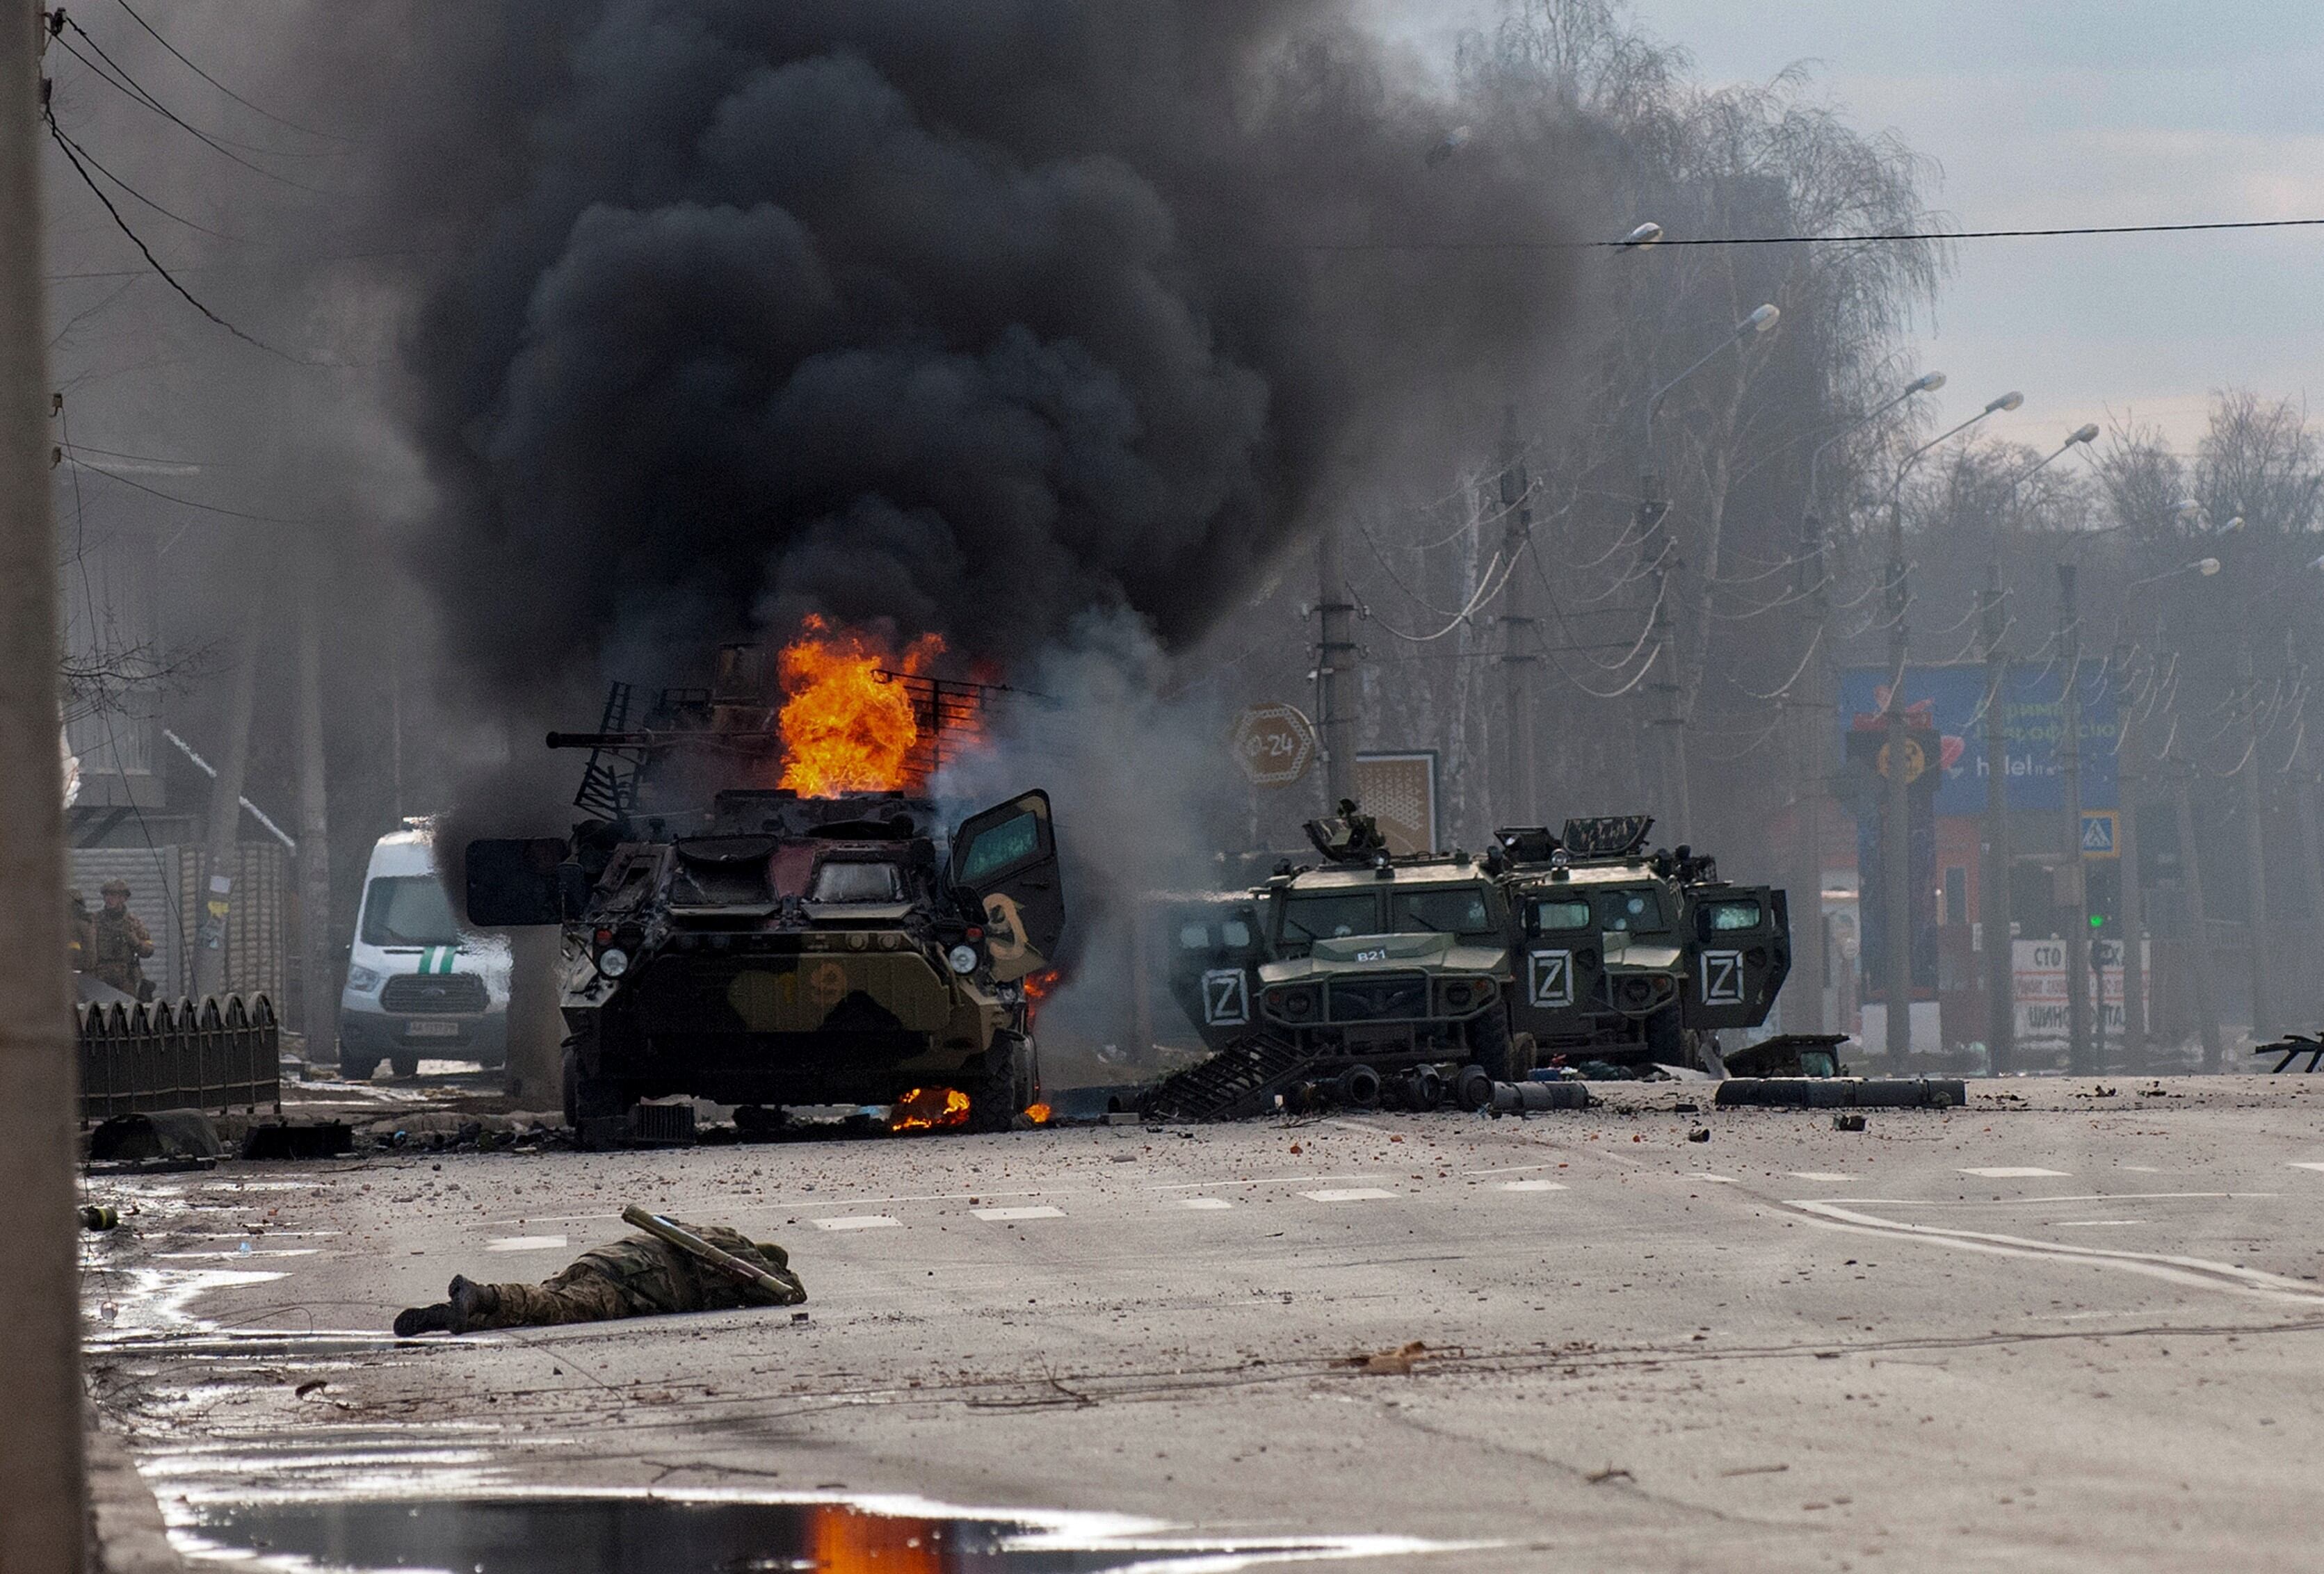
(657, 740)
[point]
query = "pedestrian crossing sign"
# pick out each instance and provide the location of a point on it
(2098, 834)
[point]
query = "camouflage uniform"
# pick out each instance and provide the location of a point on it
(119, 941)
(638, 1276)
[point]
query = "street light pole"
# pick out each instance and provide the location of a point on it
(2079, 1058)
(2255, 847)
(1996, 919)
(1810, 954)
(1895, 842)
(1668, 723)
(1993, 905)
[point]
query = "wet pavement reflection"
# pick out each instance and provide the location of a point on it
(661, 1535)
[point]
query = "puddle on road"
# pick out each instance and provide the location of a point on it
(638, 1534)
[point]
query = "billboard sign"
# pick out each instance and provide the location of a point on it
(1951, 700)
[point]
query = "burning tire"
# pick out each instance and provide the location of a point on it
(1004, 1086)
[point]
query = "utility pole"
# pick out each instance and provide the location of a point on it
(2255, 849)
(226, 811)
(1517, 630)
(2081, 1057)
(2301, 774)
(1335, 660)
(43, 1510)
(1662, 769)
(319, 972)
(2132, 774)
(1992, 881)
(2199, 923)
(1897, 814)
(1813, 712)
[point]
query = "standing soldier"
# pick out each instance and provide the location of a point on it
(120, 942)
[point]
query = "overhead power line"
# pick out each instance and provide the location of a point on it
(1829, 240)
(73, 157)
(213, 81)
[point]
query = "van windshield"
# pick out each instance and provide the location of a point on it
(408, 909)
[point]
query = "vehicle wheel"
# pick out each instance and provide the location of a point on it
(1524, 1056)
(1492, 1049)
(589, 1098)
(993, 1098)
(357, 1068)
(1666, 1042)
(407, 1066)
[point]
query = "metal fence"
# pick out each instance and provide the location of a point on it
(194, 1055)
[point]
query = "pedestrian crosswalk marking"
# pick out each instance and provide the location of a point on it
(525, 1243)
(1205, 1204)
(1347, 1194)
(1533, 1186)
(1002, 1215)
(860, 1221)
(2014, 1173)
(1818, 1176)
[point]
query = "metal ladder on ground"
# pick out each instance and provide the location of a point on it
(1231, 1085)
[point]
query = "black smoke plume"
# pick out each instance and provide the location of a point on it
(970, 314)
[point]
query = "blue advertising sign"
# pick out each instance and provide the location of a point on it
(1952, 700)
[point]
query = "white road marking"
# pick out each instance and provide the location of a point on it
(2306, 1165)
(2196, 1272)
(1002, 1215)
(2093, 1223)
(1205, 1204)
(296, 1251)
(2141, 1169)
(1506, 1170)
(1533, 1186)
(2012, 1173)
(1707, 1176)
(1248, 1181)
(858, 1222)
(526, 1243)
(1347, 1194)
(1819, 1176)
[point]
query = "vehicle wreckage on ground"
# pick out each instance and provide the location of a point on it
(764, 949)
(1374, 977)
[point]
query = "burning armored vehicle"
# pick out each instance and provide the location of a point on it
(762, 947)
(1419, 977)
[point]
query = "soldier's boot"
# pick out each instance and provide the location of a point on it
(414, 1321)
(473, 1305)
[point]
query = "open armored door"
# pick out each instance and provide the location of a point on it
(1005, 866)
(1561, 967)
(1742, 953)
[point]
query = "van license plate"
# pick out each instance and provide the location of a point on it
(431, 1030)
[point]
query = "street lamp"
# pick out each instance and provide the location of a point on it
(1758, 322)
(1640, 238)
(1896, 865)
(2206, 566)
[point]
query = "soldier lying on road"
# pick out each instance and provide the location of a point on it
(638, 1276)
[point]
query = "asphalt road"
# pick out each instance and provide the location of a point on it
(2054, 1331)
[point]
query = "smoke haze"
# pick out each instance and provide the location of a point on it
(969, 317)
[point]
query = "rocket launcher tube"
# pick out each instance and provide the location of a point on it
(701, 1250)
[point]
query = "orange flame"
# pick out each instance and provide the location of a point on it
(847, 730)
(1038, 1114)
(928, 1110)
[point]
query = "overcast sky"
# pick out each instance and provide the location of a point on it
(2067, 112)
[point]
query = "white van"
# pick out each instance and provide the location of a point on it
(416, 985)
